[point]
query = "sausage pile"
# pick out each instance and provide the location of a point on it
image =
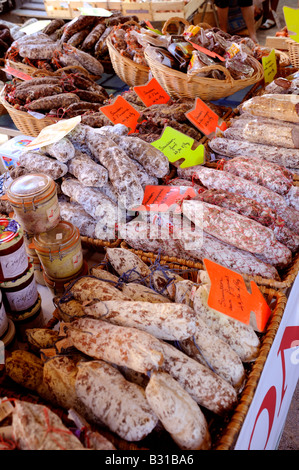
(63, 96)
(80, 43)
(136, 349)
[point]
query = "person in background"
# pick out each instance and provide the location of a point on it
(269, 6)
(247, 10)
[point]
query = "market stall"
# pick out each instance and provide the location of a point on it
(149, 238)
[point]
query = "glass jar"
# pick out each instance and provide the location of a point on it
(13, 256)
(35, 202)
(3, 318)
(21, 293)
(32, 318)
(60, 251)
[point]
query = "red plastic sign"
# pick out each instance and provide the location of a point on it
(204, 118)
(229, 295)
(152, 93)
(16, 73)
(122, 112)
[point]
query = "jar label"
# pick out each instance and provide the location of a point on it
(77, 259)
(3, 320)
(24, 298)
(53, 212)
(14, 264)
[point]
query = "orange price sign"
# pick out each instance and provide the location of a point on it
(204, 118)
(122, 112)
(229, 295)
(165, 197)
(152, 93)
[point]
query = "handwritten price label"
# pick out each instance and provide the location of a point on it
(176, 146)
(269, 66)
(205, 119)
(207, 52)
(162, 198)
(229, 295)
(152, 93)
(121, 112)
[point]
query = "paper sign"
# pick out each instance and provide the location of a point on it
(35, 27)
(152, 93)
(206, 51)
(16, 73)
(162, 198)
(53, 133)
(270, 66)
(122, 112)
(90, 11)
(291, 16)
(176, 146)
(205, 119)
(229, 295)
(150, 26)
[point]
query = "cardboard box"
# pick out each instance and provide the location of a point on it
(11, 150)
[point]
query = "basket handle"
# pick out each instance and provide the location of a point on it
(176, 20)
(208, 68)
(204, 25)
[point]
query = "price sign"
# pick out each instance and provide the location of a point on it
(205, 119)
(176, 146)
(16, 73)
(291, 16)
(152, 93)
(53, 133)
(122, 112)
(162, 198)
(229, 295)
(269, 66)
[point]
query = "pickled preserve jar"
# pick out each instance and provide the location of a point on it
(35, 202)
(60, 250)
(13, 256)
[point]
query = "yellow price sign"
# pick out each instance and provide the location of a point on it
(270, 66)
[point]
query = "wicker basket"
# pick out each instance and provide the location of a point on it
(225, 432)
(128, 71)
(25, 122)
(178, 84)
(99, 245)
(287, 276)
(293, 47)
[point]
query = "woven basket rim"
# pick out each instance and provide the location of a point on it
(24, 114)
(125, 59)
(293, 268)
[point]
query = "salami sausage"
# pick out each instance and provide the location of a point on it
(276, 106)
(34, 161)
(87, 171)
(93, 36)
(216, 179)
(178, 412)
(76, 215)
(235, 148)
(235, 229)
(63, 150)
(118, 345)
(61, 100)
(167, 321)
(119, 404)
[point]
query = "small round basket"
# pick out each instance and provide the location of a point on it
(25, 122)
(293, 48)
(129, 72)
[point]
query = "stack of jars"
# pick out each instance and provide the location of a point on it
(21, 306)
(53, 244)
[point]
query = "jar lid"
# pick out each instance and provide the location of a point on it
(60, 238)
(27, 187)
(9, 230)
